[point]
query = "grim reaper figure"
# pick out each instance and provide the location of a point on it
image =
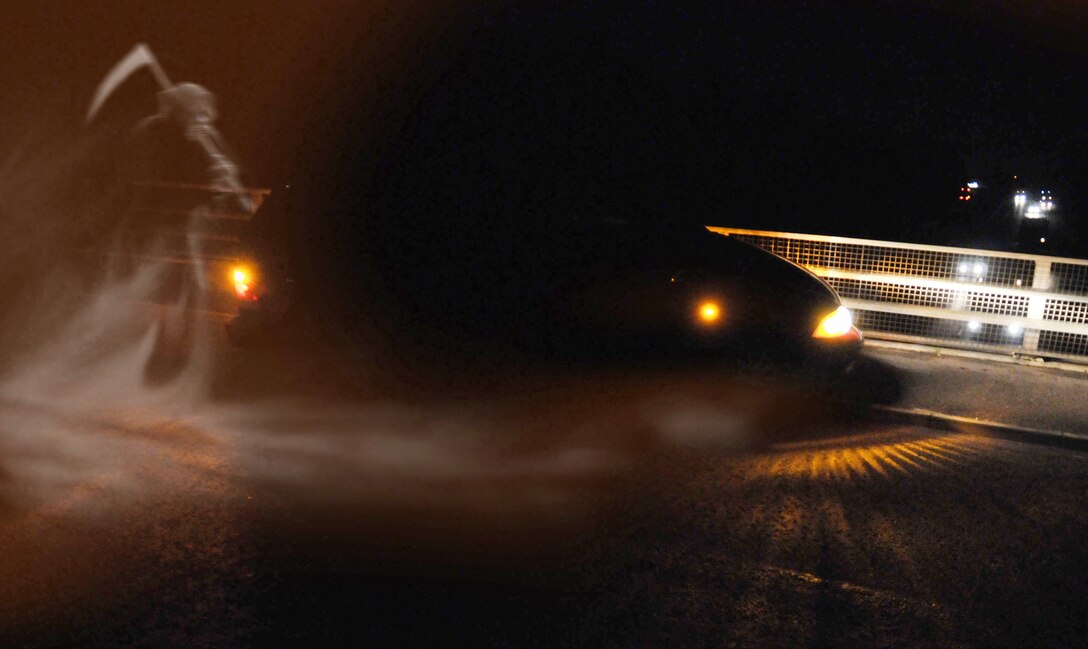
(177, 176)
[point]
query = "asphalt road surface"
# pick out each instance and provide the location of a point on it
(626, 510)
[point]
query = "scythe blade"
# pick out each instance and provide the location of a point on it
(139, 57)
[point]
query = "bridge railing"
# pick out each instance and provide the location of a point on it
(957, 297)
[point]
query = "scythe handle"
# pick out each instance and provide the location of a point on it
(223, 170)
(160, 74)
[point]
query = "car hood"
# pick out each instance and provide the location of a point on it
(644, 274)
(765, 288)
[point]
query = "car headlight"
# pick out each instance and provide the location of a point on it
(835, 324)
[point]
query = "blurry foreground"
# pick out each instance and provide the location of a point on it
(626, 510)
(272, 492)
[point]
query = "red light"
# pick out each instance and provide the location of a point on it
(967, 198)
(243, 292)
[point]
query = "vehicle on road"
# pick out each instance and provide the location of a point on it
(614, 287)
(602, 288)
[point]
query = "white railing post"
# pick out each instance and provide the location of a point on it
(1040, 283)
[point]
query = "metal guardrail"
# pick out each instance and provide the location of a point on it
(958, 297)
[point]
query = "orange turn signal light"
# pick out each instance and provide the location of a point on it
(243, 283)
(710, 312)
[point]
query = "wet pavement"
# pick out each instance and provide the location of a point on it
(1026, 394)
(688, 509)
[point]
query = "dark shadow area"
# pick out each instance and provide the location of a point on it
(443, 216)
(834, 403)
(871, 381)
(347, 609)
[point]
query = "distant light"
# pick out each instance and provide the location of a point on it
(1020, 199)
(1042, 239)
(1013, 330)
(962, 268)
(1019, 282)
(967, 198)
(1034, 211)
(973, 184)
(980, 268)
(974, 325)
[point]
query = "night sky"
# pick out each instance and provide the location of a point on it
(853, 118)
(845, 118)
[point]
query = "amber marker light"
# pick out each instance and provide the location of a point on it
(710, 312)
(243, 283)
(835, 324)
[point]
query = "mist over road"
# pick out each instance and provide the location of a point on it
(630, 509)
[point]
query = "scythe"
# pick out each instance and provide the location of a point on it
(139, 57)
(223, 170)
